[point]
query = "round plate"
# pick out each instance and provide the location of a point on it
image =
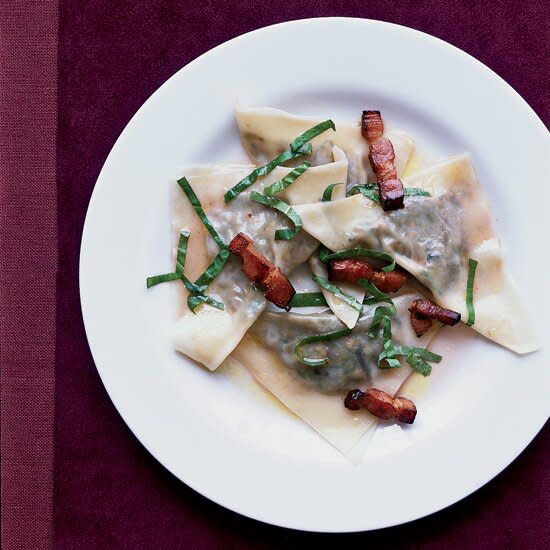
(233, 444)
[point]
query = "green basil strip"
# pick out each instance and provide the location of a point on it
(375, 294)
(196, 291)
(284, 208)
(261, 171)
(387, 331)
(417, 358)
(327, 193)
(326, 337)
(157, 279)
(195, 300)
(288, 180)
(390, 361)
(420, 352)
(308, 299)
(350, 300)
(472, 265)
(214, 269)
(298, 148)
(323, 253)
(415, 192)
(371, 192)
(308, 135)
(182, 250)
(360, 252)
(197, 206)
(380, 314)
(193, 288)
(419, 365)
(180, 263)
(197, 288)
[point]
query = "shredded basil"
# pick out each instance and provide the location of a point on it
(390, 362)
(197, 207)
(359, 252)
(284, 208)
(371, 191)
(298, 148)
(288, 180)
(381, 314)
(195, 300)
(323, 253)
(472, 265)
(415, 192)
(417, 358)
(308, 135)
(308, 299)
(419, 364)
(376, 295)
(327, 193)
(157, 279)
(261, 171)
(196, 290)
(420, 352)
(214, 268)
(182, 250)
(180, 264)
(326, 337)
(350, 300)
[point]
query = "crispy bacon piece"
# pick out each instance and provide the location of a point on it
(423, 311)
(353, 269)
(353, 399)
(382, 157)
(405, 410)
(277, 288)
(381, 404)
(372, 125)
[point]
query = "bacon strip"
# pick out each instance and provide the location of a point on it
(423, 311)
(353, 269)
(381, 404)
(382, 157)
(277, 288)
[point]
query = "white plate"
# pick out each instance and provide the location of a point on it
(234, 445)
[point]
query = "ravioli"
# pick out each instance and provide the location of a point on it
(433, 238)
(209, 335)
(266, 132)
(316, 394)
(446, 222)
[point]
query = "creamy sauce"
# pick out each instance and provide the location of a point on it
(234, 371)
(415, 386)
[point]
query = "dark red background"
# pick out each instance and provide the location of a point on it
(109, 492)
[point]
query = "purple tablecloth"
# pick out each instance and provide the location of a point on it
(78, 478)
